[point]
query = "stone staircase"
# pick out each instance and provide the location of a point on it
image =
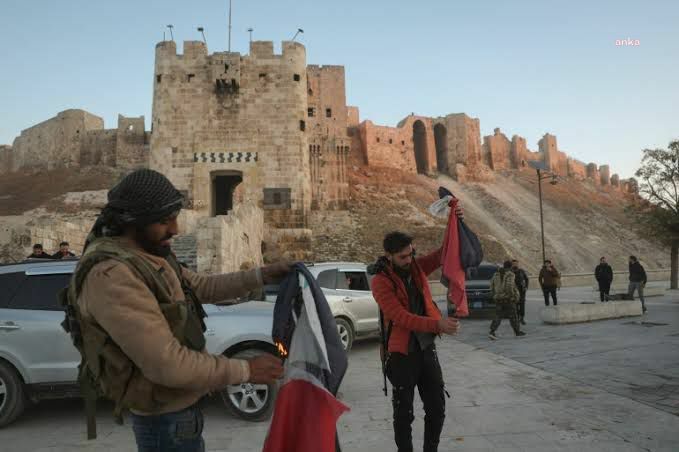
(185, 246)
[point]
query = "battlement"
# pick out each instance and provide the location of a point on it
(316, 69)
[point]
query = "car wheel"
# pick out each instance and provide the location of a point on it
(250, 401)
(346, 333)
(12, 397)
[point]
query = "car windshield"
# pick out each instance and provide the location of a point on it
(484, 272)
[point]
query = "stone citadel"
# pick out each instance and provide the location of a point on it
(258, 142)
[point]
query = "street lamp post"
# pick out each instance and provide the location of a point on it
(539, 167)
(542, 221)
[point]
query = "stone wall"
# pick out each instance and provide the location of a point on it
(228, 112)
(6, 158)
(227, 243)
(605, 174)
(462, 149)
(76, 138)
(409, 146)
(132, 143)
(353, 116)
(329, 142)
(593, 173)
(54, 143)
(577, 169)
(518, 152)
(57, 231)
(496, 150)
(98, 147)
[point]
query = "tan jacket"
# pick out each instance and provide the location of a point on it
(122, 304)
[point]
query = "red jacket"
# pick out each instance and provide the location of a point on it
(392, 297)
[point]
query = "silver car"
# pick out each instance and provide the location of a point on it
(38, 360)
(346, 286)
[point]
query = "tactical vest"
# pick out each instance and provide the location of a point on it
(503, 285)
(105, 370)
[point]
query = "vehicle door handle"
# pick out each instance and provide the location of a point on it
(347, 299)
(9, 326)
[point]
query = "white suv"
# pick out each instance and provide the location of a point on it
(30, 318)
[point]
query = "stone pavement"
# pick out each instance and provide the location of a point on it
(564, 388)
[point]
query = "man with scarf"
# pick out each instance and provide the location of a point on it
(411, 321)
(137, 226)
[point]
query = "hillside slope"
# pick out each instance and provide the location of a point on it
(582, 222)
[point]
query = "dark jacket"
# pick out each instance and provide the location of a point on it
(44, 255)
(58, 255)
(549, 278)
(637, 273)
(521, 279)
(392, 297)
(604, 274)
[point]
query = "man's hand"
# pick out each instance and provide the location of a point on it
(276, 272)
(449, 326)
(459, 211)
(265, 369)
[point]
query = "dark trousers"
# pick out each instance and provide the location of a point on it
(505, 311)
(521, 305)
(181, 431)
(604, 291)
(405, 372)
(547, 291)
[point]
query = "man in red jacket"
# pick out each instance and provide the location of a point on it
(412, 320)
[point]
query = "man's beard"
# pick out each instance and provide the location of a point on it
(151, 246)
(402, 271)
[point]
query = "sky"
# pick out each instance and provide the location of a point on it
(528, 67)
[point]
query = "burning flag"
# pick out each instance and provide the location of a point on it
(305, 333)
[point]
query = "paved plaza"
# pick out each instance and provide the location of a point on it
(602, 386)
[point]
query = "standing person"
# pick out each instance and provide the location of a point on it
(401, 289)
(135, 315)
(604, 276)
(38, 253)
(63, 251)
(549, 280)
(637, 280)
(506, 295)
(522, 285)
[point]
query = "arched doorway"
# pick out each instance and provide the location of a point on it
(223, 186)
(441, 144)
(420, 144)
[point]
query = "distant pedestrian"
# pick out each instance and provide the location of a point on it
(63, 252)
(39, 253)
(505, 295)
(604, 276)
(522, 285)
(550, 280)
(637, 280)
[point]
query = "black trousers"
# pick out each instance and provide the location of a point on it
(604, 291)
(405, 372)
(521, 305)
(547, 291)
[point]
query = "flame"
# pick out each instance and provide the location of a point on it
(281, 349)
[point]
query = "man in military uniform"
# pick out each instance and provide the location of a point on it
(135, 316)
(522, 285)
(506, 295)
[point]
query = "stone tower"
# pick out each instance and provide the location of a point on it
(231, 128)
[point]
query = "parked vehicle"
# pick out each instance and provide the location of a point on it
(30, 318)
(477, 286)
(346, 286)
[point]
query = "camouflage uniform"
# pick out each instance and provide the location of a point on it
(506, 295)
